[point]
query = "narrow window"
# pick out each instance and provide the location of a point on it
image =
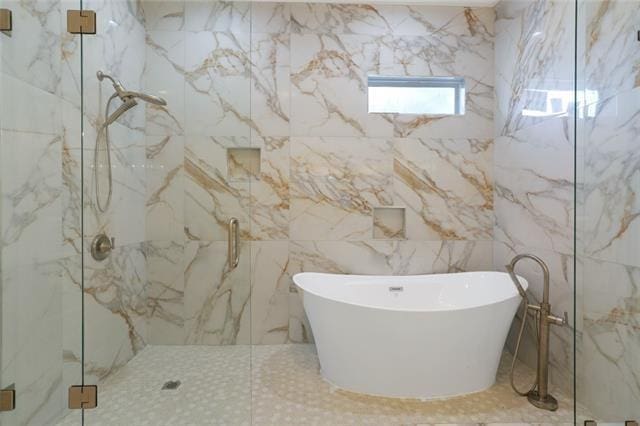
(416, 95)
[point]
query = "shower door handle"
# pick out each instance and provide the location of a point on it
(234, 243)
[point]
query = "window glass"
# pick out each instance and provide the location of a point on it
(416, 95)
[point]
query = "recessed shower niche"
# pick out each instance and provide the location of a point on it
(243, 163)
(388, 223)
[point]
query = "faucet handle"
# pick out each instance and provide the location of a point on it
(559, 321)
(534, 307)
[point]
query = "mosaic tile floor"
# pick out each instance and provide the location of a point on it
(221, 384)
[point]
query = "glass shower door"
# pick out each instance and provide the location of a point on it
(40, 337)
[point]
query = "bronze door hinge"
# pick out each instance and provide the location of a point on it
(81, 21)
(8, 399)
(83, 397)
(6, 23)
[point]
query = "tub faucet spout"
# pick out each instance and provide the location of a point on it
(538, 395)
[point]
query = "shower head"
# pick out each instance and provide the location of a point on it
(123, 94)
(128, 98)
(127, 104)
(156, 100)
(116, 84)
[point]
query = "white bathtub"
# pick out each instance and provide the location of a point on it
(422, 336)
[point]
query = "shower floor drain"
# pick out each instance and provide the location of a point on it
(171, 384)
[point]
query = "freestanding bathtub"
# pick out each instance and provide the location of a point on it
(421, 336)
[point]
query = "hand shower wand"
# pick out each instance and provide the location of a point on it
(128, 101)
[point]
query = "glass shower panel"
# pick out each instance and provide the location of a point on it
(608, 235)
(40, 337)
(533, 166)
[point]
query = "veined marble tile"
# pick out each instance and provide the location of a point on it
(31, 350)
(326, 18)
(329, 84)
(31, 193)
(71, 192)
(211, 198)
(204, 15)
(124, 218)
(33, 54)
(164, 76)
(468, 126)
(166, 15)
(334, 184)
(446, 186)
(218, 83)
(378, 19)
(217, 300)
(115, 310)
(268, 17)
(270, 199)
(534, 200)
(611, 178)
(462, 47)
(612, 59)
(23, 113)
(611, 292)
(477, 121)
(71, 61)
(270, 83)
(71, 322)
(165, 188)
(534, 63)
(375, 257)
(269, 292)
(609, 361)
(463, 22)
(165, 292)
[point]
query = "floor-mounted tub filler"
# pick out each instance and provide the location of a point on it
(422, 336)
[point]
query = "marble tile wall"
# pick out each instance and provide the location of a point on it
(290, 79)
(608, 367)
(533, 159)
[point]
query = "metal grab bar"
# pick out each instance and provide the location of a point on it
(234, 242)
